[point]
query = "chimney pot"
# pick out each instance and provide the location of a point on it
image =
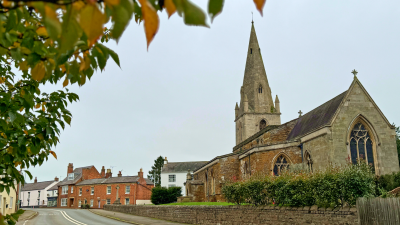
(56, 179)
(35, 180)
(70, 168)
(103, 172)
(119, 174)
(165, 160)
(108, 174)
(140, 174)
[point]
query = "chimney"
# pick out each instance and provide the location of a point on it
(119, 174)
(35, 180)
(103, 172)
(70, 168)
(108, 174)
(56, 179)
(140, 173)
(165, 160)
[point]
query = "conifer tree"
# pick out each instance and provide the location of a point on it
(155, 172)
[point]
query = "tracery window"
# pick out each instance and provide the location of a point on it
(260, 89)
(280, 165)
(361, 145)
(263, 124)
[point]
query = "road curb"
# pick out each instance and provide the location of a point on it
(115, 218)
(32, 216)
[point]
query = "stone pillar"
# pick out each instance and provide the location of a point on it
(117, 202)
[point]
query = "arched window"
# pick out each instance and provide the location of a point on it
(212, 182)
(251, 51)
(260, 89)
(263, 124)
(280, 165)
(308, 161)
(361, 145)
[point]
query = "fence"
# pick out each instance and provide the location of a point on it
(378, 211)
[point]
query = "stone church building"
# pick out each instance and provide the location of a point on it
(347, 128)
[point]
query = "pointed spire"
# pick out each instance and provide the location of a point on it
(276, 99)
(236, 107)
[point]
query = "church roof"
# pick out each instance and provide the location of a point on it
(316, 118)
(174, 167)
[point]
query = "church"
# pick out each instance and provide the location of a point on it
(347, 128)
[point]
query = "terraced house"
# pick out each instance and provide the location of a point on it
(85, 185)
(348, 128)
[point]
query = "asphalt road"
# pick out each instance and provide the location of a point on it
(68, 217)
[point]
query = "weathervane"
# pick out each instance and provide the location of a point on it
(354, 72)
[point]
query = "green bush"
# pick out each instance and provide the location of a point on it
(335, 186)
(162, 195)
(85, 206)
(388, 182)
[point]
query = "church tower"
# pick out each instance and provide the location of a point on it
(256, 110)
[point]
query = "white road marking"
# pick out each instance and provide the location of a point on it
(65, 215)
(25, 222)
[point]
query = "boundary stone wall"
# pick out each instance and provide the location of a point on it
(244, 215)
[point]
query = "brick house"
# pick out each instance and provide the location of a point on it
(85, 185)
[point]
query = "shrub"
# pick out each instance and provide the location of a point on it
(388, 182)
(162, 195)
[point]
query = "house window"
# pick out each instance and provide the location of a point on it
(85, 201)
(79, 203)
(71, 176)
(171, 185)
(126, 201)
(127, 189)
(91, 202)
(63, 202)
(361, 145)
(11, 202)
(64, 190)
(108, 190)
(172, 178)
(38, 194)
(80, 191)
(108, 201)
(92, 191)
(72, 189)
(280, 165)
(29, 195)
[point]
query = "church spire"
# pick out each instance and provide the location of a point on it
(255, 82)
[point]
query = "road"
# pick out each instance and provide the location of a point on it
(68, 217)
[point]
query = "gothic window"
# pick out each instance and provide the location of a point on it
(308, 161)
(212, 182)
(361, 145)
(260, 89)
(251, 51)
(280, 165)
(263, 124)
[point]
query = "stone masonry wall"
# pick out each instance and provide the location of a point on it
(243, 215)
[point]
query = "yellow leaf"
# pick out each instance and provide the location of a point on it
(78, 5)
(38, 71)
(3, 135)
(91, 22)
(2, 80)
(22, 93)
(41, 31)
(82, 66)
(170, 7)
(29, 150)
(151, 20)
(22, 108)
(16, 44)
(87, 62)
(23, 66)
(260, 5)
(54, 154)
(112, 2)
(26, 132)
(37, 106)
(43, 109)
(40, 136)
(63, 68)
(7, 4)
(25, 50)
(9, 149)
(65, 83)
(17, 164)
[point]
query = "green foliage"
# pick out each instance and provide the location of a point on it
(12, 219)
(85, 206)
(155, 172)
(332, 187)
(162, 195)
(388, 182)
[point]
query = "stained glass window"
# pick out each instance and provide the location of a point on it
(280, 164)
(361, 145)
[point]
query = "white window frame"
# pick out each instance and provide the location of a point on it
(171, 185)
(80, 191)
(109, 190)
(38, 194)
(92, 191)
(11, 203)
(91, 202)
(127, 201)
(64, 190)
(71, 176)
(79, 203)
(172, 178)
(127, 189)
(64, 201)
(108, 202)
(72, 189)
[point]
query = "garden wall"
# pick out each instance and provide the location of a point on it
(244, 215)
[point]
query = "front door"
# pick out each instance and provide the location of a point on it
(98, 202)
(71, 202)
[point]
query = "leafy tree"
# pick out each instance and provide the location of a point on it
(155, 172)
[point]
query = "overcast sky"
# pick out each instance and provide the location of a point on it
(177, 99)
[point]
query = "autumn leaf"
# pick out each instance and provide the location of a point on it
(87, 62)
(43, 109)
(52, 23)
(54, 154)
(22, 108)
(40, 136)
(151, 20)
(170, 7)
(111, 2)
(91, 22)
(37, 106)
(23, 66)
(38, 71)
(41, 31)
(260, 5)
(2, 80)
(65, 83)
(26, 132)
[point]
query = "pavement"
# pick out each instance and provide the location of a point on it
(28, 214)
(129, 218)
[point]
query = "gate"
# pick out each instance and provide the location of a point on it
(378, 211)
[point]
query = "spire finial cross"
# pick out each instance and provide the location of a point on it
(300, 113)
(252, 17)
(354, 72)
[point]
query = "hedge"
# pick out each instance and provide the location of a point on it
(334, 186)
(162, 195)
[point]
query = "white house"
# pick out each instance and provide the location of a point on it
(174, 174)
(35, 194)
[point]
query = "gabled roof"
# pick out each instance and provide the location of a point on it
(54, 187)
(37, 186)
(77, 175)
(182, 167)
(113, 180)
(316, 118)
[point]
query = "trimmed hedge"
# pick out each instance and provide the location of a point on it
(329, 188)
(162, 195)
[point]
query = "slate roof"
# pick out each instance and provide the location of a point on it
(36, 186)
(317, 117)
(54, 187)
(176, 167)
(77, 175)
(113, 180)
